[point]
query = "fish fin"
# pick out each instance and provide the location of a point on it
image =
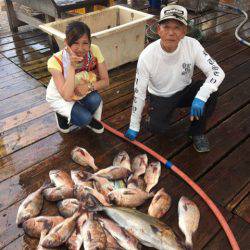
(151, 194)
(154, 229)
(91, 203)
(47, 226)
(27, 204)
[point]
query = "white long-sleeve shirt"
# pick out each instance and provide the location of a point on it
(164, 74)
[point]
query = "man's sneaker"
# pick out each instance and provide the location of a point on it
(96, 126)
(200, 143)
(62, 123)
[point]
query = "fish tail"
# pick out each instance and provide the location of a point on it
(189, 243)
(46, 184)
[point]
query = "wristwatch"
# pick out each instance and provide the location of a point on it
(91, 86)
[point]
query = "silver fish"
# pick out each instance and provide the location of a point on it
(139, 165)
(31, 206)
(60, 178)
(129, 197)
(34, 226)
(122, 160)
(58, 193)
(148, 230)
(111, 242)
(189, 217)
(152, 175)
(68, 207)
(124, 238)
(160, 204)
(60, 233)
(83, 157)
(119, 184)
(114, 173)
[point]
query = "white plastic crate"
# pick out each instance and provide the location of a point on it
(118, 31)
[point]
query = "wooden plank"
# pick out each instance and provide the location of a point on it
(23, 117)
(16, 78)
(238, 198)
(232, 172)
(17, 88)
(241, 231)
(27, 133)
(25, 50)
(31, 56)
(21, 101)
(9, 69)
(23, 43)
(243, 209)
(235, 129)
(20, 36)
(4, 61)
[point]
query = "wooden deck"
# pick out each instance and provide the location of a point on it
(30, 144)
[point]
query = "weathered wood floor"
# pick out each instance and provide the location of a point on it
(30, 145)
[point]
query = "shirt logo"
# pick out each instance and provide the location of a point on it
(186, 68)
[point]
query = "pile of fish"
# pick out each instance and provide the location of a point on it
(98, 210)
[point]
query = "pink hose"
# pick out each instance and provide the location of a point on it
(197, 189)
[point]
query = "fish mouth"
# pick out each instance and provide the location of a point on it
(54, 171)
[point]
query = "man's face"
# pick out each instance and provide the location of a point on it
(171, 32)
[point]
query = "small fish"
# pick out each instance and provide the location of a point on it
(44, 232)
(31, 206)
(152, 175)
(60, 178)
(68, 207)
(34, 226)
(136, 182)
(102, 184)
(111, 242)
(114, 173)
(160, 204)
(122, 160)
(93, 235)
(123, 237)
(75, 241)
(129, 197)
(139, 165)
(81, 192)
(148, 230)
(189, 217)
(60, 233)
(83, 157)
(58, 193)
(80, 177)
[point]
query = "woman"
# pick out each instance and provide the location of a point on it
(78, 72)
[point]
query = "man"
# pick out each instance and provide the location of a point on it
(165, 70)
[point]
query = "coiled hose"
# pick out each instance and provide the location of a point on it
(224, 7)
(189, 181)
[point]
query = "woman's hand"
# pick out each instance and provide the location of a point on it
(82, 89)
(74, 59)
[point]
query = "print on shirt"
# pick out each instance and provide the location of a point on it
(215, 67)
(186, 67)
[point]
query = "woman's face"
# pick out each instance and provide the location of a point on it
(81, 46)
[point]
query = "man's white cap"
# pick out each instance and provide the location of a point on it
(174, 11)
